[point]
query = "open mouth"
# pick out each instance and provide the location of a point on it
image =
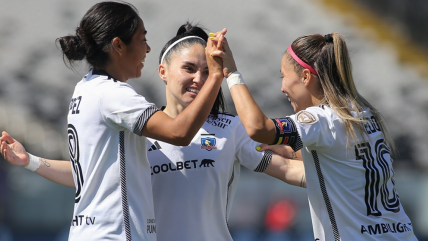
(196, 91)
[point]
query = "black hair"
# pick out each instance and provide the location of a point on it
(99, 26)
(185, 30)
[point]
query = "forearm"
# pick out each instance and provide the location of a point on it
(295, 174)
(258, 126)
(181, 129)
(192, 118)
(56, 171)
(291, 171)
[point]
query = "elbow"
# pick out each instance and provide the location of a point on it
(260, 131)
(182, 140)
(257, 135)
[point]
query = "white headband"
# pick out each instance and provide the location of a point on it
(175, 43)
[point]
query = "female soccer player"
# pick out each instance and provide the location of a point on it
(193, 186)
(343, 139)
(108, 123)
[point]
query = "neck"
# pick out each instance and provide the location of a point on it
(113, 70)
(173, 110)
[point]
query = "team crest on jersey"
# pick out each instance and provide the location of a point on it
(305, 117)
(208, 143)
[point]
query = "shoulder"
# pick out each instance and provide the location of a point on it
(315, 114)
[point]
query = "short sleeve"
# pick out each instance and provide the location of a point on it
(124, 107)
(310, 127)
(246, 152)
(314, 126)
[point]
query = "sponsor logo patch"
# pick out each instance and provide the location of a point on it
(305, 117)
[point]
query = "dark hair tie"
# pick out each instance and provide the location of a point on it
(328, 38)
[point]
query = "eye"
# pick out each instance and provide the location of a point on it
(188, 68)
(206, 72)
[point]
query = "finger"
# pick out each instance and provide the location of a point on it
(7, 137)
(223, 32)
(218, 53)
(220, 42)
(2, 148)
(262, 147)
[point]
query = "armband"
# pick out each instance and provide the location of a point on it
(235, 79)
(285, 132)
(34, 162)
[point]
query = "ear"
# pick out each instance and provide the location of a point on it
(118, 45)
(162, 73)
(307, 77)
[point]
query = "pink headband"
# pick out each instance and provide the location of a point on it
(298, 60)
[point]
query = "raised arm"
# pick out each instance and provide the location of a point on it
(181, 129)
(54, 170)
(258, 126)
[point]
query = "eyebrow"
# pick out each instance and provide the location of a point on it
(189, 63)
(192, 64)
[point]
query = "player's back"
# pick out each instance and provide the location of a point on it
(112, 175)
(350, 184)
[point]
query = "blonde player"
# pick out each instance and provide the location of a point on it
(345, 145)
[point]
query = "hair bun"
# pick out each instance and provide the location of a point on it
(328, 38)
(73, 47)
(188, 29)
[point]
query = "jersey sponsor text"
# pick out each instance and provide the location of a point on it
(220, 122)
(190, 164)
(381, 228)
(80, 220)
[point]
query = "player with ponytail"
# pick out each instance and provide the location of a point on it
(344, 141)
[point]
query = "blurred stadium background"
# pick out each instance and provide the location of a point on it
(388, 40)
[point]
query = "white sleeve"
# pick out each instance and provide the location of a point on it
(314, 127)
(124, 107)
(246, 152)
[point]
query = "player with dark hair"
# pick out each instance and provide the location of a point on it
(108, 123)
(344, 141)
(194, 186)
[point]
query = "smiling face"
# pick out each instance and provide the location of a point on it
(293, 86)
(184, 75)
(135, 53)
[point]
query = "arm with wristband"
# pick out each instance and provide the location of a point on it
(54, 170)
(258, 126)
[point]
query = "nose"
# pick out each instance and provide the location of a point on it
(199, 78)
(148, 48)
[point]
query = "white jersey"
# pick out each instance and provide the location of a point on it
(112, 175)
(350, 188)
(193, 186)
